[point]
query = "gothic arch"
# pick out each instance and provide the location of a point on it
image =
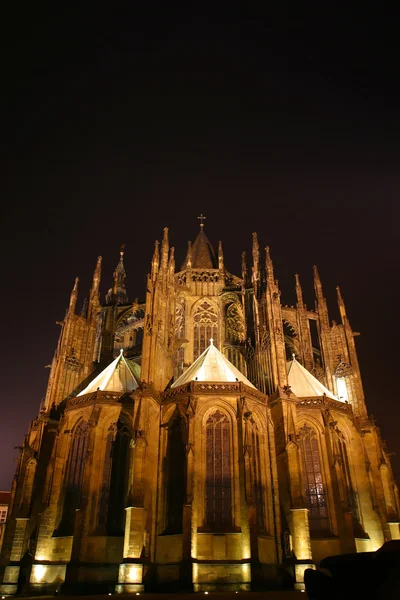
(315, 480)
(169, 414)
(208, 409)
(291, 338)
(198, 303)
(205, 323)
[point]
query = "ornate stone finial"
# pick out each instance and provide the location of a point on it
(293, 355)
(201, 219)
(211, 342)
(299, 291)
(269, 266)
(317, 283)
(220, 256)
(121, 351)
(122, 249)
(74, 296)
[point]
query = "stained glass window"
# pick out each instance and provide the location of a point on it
(218, 472)
(205, 322)
(314, 488)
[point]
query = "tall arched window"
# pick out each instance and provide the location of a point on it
(205, 323)
(218, 472)
(107, 468)
(176, 477)
(119, 479)
(76, 466)
(313, 482)
(258, 488)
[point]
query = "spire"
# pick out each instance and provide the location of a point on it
(244, 267)
(164, 249)
(117, 294)
(155, 263)
(73, 297)
(220, 256)
(256, 254)
(171, 263)
(203, 256)
(94, 292)
(299, 291)
(317, 284)
(189, 255)
(341, 305)
(269, 265)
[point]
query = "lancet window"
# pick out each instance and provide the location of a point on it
(118, 478)
(77, 463)
(176, 477)
(257, 481)
(107, 468)
(205, 323)
(218, 472)
(313, 482)
(73, 490)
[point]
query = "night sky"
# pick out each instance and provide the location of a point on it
(119, 121)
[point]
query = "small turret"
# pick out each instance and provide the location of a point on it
(256, 257)
(341, 305)
(244, 268)
(73, 298)
(155, 263)
(171, 264)
(317, 284)
(220, 257)
(189, 255)
(269, 265)
(164, 250)
(117, 294)
(94, 298)
(299, 292)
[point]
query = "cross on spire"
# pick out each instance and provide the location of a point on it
(202, 218)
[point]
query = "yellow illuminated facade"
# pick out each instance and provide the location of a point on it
(207, 438)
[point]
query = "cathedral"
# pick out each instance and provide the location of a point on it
(206, 438)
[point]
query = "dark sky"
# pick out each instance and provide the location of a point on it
(119, 121)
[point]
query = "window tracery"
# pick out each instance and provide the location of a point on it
(313, 482)
(77, 457)
(257, 481)
(218, 472)
(205, 324)
(235, 326)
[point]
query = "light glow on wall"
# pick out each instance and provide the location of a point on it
(130, 573)
(38, 574)
(342, 389)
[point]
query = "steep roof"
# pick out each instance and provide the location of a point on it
(303, 384)
(203, 256)
(212, 365)
(119, 376)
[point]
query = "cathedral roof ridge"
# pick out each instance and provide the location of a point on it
(303, 384)
(212, 365)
